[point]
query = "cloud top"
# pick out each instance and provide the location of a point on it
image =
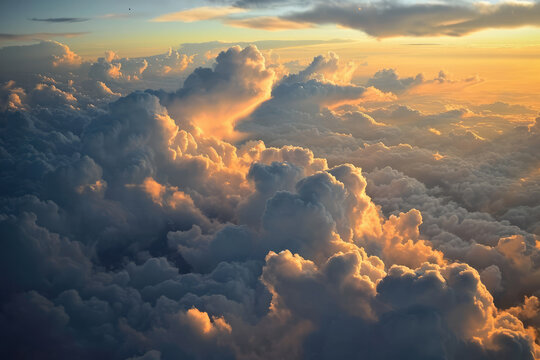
(252, 212)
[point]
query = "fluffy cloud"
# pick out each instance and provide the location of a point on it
(214, 99)
(388, 80)
(133, 230)
(46, 56)
(49, 71)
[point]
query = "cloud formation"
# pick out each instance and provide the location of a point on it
(39, 36)
(61, 19)
(270, 23)
(392, 19)
(237, 84)
(388, 80)
(198, 14)
(133, 228)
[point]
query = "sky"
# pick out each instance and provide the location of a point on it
(282, 179)
(498, 39)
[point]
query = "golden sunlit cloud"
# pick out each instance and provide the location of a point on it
(323, 193)
(198, 14)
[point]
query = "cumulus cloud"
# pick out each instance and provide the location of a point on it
(214, 99)
(133, 228)
(11, 96)
(91, 84)
(42, 57)
(326, 69)
(389, 80)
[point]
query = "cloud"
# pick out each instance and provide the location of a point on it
(300, 103)
(205, 47)
(132, 229)
(199, 14)
(256, 3)
(266, 23)
(394, 19)
(44, 57)
(38, 36)
(416, 302)
(117, 15)
(61, 19)
(79, 19)
(502, 108)
(326, 69)
(239, 82)
(91, 82)
(11, 97)
(49, 95)
(388, 80)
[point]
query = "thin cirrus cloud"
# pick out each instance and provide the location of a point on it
(83, 19)
(199, 14)
(270, 23)
(39, 36)
(61, 19)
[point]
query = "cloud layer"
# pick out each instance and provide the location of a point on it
(254, 215)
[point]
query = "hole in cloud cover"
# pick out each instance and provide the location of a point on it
(252, 215)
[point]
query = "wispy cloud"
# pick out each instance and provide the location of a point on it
(61, 19)
(198, 14)
(266, 3)
(270, 23)
(83, 19)
(39, 36)
(117, 16)
(394, 19)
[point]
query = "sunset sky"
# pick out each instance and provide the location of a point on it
(280, 179)
(491, 39)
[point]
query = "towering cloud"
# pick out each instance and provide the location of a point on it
(214, 99)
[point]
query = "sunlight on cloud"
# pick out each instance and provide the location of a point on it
(278, 200)
(270, 23)
(199, 14)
